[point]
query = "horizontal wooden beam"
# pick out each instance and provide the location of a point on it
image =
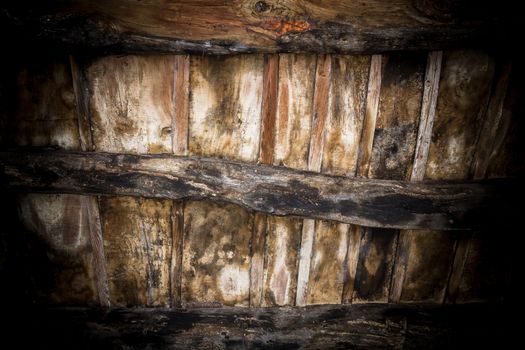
(267, 189)
(242, 26)
(366, 326)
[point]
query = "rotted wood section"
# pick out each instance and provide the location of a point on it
(371, 326)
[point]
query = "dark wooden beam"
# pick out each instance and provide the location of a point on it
(365, 326)
(242, 26)
(263, 188)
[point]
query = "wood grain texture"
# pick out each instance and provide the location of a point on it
(315, 154)
(132, 109)
(266, 26)
(370, 326)
(131, 101)
(292, 141)
(180, 120)
(137, 242)
(225, 122)
(345, 114)
(268, 189)
(391, 156)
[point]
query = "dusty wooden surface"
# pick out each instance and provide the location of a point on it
(268, 189)
(372, 326)
(261, 25)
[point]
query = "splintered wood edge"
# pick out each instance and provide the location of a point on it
(268, 189)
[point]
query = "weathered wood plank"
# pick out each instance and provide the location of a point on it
(268, 189)
(132, 103)
(132, 109)
(391, 155)
(224, 122)
(180, 120)
(260, 26)
(216, 257)
(370, 326)
(345, 114)
(137, 243)
(292, 139)
(315, 158)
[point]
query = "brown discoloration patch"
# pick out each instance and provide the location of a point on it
(216, 258)
(61, 256)
(281, 257)
(225, 106)
(326, 278)
(132, 103)
(137, 242)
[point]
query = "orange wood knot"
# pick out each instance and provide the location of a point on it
(286, 25)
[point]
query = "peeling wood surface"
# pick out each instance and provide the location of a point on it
(260, 26)
(267, 189)
(224, 121)
(131, 103)
(371, 326)
(137, 243)
(391, 156)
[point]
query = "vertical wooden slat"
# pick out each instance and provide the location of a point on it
(363, 162)
(391, 155)
(180, 130)
(292, 139)
(315, 156)
(266, 151)
(132, 108)
(225, 117)
(90, 204)
(346, 109)
(409, 238)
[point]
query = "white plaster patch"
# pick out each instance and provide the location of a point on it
(233, 282)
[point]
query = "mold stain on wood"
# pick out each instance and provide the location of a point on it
(224, 121)
(394, 140)
(137, 243)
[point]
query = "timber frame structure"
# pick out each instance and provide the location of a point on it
(260, 174)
